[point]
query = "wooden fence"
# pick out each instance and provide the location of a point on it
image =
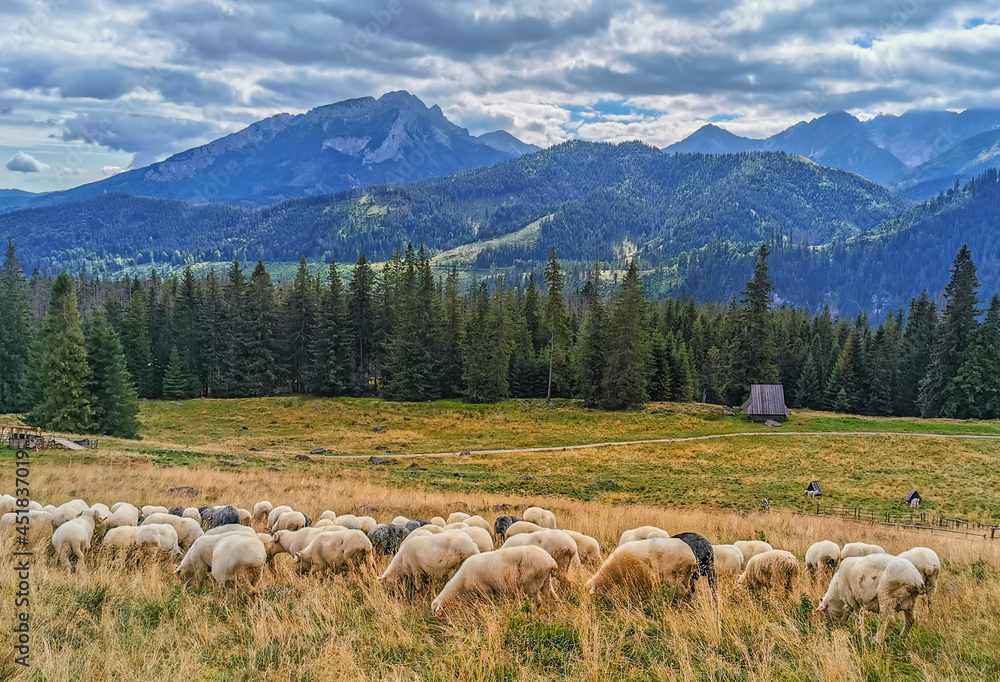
(909, 520)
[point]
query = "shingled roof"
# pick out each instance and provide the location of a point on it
(766, 399)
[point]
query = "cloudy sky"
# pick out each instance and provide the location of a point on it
(90, 87)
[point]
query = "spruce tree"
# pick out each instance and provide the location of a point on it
(63, 375)
(136, 345)
(954, 332)
(488, 346)
(451, 337)
(299, 320)
(235, 327)
(116, 403)
(881, 376)
(186, 327)
(975, 390)
(808, 392)
(594, 342)
(753, 354)
(330, 340)
(624, 382)
(176, 380)
(682, 375)
(262, 365)
(554, 313)
(15, 333)
(839, 386)
(361, 323)
(215, 342)
(158, 311)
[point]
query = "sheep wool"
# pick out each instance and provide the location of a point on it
(750, 548)
(822, 556)
(856, 549)
(558, 544)
(72, 538)
(928, 563)
(188, 530)
(642, 533)
(587, 547)
(338, 551)
(773, 569)
(159, 536)
(728, 560)
(239, 559)
(642, 565)
(542, 517)
(430, 557)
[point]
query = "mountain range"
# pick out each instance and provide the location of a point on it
(917, 154)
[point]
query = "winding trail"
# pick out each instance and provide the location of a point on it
(653, 441)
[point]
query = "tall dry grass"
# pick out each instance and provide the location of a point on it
(116, 621)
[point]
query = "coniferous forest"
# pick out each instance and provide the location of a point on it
(78, 353)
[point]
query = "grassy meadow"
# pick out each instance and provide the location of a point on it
(125, 622)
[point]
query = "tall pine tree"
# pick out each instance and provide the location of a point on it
(116, 403)
(15, 333)
(753, 354)
(624, 382)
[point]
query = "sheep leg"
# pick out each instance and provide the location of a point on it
(78, 553)
(908, 616)
(887, 621)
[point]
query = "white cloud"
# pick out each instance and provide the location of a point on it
(113, 170)
(25, 163)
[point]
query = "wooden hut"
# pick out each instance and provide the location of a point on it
(766, 401)
(913, 499)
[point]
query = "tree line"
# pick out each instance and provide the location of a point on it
(401, 333)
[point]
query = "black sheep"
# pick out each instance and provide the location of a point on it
(177, 511)
(502, 523)
(224, 516)
(703, 552)
(412, 526)
(386, 537)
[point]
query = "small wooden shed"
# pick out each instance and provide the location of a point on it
(766, 401)
(914, 499)
(814, 489)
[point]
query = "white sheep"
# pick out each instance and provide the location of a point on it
(925, 560)
(294, 541)
(456, 525)
(67, 511)
(558, 544)
(646, 564)
(505, 572)
(39, 522)
(197, 562)
(642, 533)
(245, 516)
(121, 537)
(239, 559)
(400, 521)
(751, 548)
(328, 514)
(150, 509)
(231, 528)
(123, 514)
(519, 527)
(822, 556)
(439, 522)
(774, 569)
(455, 517)
(158, 535)
(587, 547)
(261, 510)
(337, 551)
(73, 537)
(192, 513)
(856, 549)
(8, 503)
(429, 556)
(272, 516)
(366, 524)
(292, 520)
(483, 540)
(881, 583)
(188, 530)
(480, 522)
(728, 560)
(542, 517)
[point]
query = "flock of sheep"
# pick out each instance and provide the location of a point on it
(459, 550)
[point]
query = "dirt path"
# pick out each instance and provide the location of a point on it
(654, 441)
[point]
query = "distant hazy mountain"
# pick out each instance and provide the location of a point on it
(918, 136)
(711, 139)
(592, 201)
(14, 198)
(503, 141)
(959, 164)
(351, 144)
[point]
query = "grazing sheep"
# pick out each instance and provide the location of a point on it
(387, 537)
(421, 533)
(501, 524)
(292, 520)
(642, 533)
(239, 558)
(856, 549)
(73, 537)
(153, 509)
(519, 527)
(455, 517)
(39, 522)
(728, 560)
(261, 510)
(432, 557)
(773, 569)
(8, 503)
(35, 506)
(505, 572)
(193, 514)
(456, 526)
(328, 524)
(558, 544)
(928, 563)
(294, 541)
(750, 548)
(273, 515)
(348, 521)
(50, 508)
(102, 509)
(400, 521)
(159, 535)
(703, 552)
(483, 540)
(231, 528)
(328, 514)
(177, 511)
(246, 517)
(642, 565)
(366, 523)
(438, 521)
(223, 516)
(429, 529)
(542, 517)
(881, 583)
(187, 530)
(122, 514)
(480, 522)
(412, 525)
(822, 556)
(120, 537)
(197, 562)
(586, 547)
(337, 551)
(67, 511)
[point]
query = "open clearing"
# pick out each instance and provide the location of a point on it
(136, 623)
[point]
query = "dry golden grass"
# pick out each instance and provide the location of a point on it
(111, 621)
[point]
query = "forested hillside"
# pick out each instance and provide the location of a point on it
(604, 202)
(877, 274)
